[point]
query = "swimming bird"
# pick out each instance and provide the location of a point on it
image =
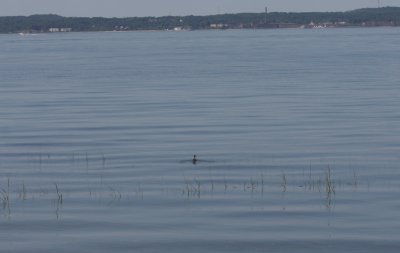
(194, 160)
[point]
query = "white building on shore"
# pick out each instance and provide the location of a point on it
(56, 30)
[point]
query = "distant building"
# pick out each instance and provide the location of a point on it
(218, 26)
(120, 28)
(56, 29)
(181, 28)
(66, 30)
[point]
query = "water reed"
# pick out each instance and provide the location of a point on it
(5, 197)
(59, 195)
(23, 192)
(284, 182)
(312, 181)
(329, 184)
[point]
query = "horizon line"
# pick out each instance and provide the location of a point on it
(202, 15)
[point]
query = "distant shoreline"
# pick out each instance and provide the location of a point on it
(197, 30)
(369, 17)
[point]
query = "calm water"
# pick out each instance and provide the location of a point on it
(297, 132)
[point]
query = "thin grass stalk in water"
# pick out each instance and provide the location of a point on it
(59, 195)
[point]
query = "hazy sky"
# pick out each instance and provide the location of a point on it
(129, 8)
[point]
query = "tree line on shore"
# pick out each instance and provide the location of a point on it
(386, 16)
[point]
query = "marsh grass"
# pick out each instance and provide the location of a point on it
(115, 195)
(23, 192)
(262, 183)
(284, 182)
(355, 179)
(201, 186)
(59, 195)
(5, 197)
(320, 181)
(139, 192)
(329, 183)
(225, 184)
(193, 188)
(59, 201)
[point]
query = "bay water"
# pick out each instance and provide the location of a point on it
(297, 133)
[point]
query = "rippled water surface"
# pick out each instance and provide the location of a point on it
(297, 134)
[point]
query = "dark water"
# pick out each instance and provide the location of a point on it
(297, 132)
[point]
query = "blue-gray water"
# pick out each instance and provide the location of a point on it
(297, 132)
